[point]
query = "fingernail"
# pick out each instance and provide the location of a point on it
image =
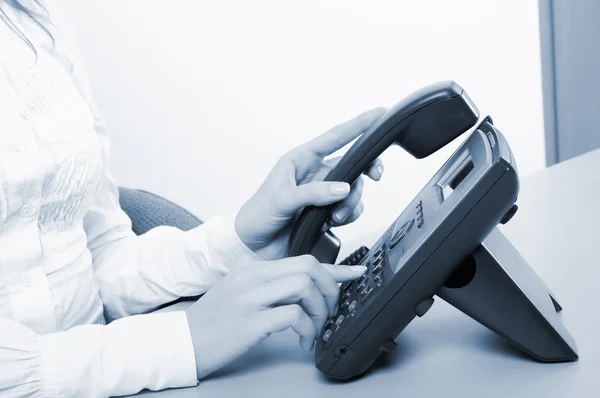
(341, 213)
(380, 169)
(341, 188)
(358, 268)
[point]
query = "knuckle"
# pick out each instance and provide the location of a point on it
(287, 158)
(336, 289)
(305, 282)
(296, 313)
(289, 154)
(234, 276)
(315, 265)
(295, 154)
(360, 183)
(244, 274)
(308, 261)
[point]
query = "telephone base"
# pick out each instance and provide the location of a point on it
(496, 287)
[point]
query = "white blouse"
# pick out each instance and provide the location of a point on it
(69, 261)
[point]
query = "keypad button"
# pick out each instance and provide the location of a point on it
(352, 306)
(362, 284)
(364, 291)
(339, 320)
(377, 268)
(346, 304)
(327, 335)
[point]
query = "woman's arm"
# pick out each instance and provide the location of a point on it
(136, 274)
(97, 361)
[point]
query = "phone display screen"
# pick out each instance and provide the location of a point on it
(456, 175)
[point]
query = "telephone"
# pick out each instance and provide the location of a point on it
(444, 243)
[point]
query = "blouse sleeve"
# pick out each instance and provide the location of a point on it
(131, 354)
(137, 274)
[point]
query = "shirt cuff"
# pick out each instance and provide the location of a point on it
(227, 251)
(224, 239)
(21, 374)
(152, 351)
(209, 252)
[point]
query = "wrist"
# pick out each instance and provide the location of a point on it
(241, 230)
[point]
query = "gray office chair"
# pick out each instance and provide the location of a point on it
(147, 210)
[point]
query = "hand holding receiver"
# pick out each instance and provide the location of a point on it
(264, 223)
(253, 301)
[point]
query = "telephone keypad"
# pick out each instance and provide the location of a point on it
(358, 291)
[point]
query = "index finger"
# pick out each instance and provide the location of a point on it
(323, 278)
(344, 133)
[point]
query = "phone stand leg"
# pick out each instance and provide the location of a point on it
(496, 287)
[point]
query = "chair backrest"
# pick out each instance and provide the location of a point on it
(147, 210)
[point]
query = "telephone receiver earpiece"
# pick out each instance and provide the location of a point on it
(422, 123)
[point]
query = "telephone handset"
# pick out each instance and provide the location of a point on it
(421, 124)
(444, 243)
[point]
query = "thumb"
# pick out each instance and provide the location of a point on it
(317, 193)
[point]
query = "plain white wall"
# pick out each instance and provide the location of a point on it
(203, 97)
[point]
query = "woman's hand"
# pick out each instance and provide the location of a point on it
(252, 302)
(265, 222)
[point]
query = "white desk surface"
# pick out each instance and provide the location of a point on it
(447, 354)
